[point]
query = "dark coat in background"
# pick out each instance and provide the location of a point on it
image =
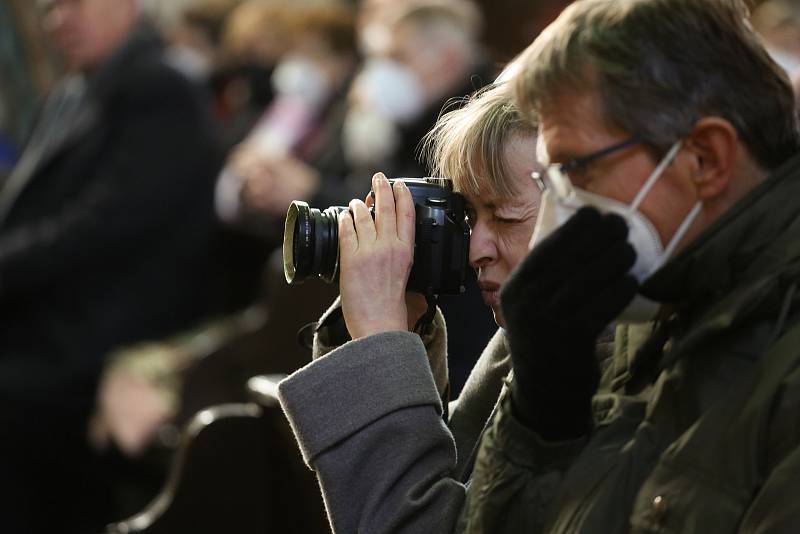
(106, 229)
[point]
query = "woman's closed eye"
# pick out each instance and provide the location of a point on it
(507, 220)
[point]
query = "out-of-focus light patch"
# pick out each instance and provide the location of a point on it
(375, 39)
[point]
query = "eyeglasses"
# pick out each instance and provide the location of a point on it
(558, 173)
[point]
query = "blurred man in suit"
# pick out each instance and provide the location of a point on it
(105, 239)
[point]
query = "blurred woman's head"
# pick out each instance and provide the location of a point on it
(322, 53)
(488, 149)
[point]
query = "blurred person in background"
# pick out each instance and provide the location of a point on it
(194, 30)
(295, 140)
(229, 47)
(425, 53)
(778, 22)
(105, 238)
(255, 36)
(142, 384)
(27, 71)
(418, 56)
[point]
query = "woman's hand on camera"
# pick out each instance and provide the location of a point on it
(375, 260)
(416, 304)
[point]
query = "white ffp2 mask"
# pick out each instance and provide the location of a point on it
(561, 201)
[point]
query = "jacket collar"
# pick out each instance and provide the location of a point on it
(741, 269)
(759, 236)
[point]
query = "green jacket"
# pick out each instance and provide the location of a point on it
(699, 430)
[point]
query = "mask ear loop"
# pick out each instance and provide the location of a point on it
(651, 181)
(665, 162)
(682, 229)
(659, 170)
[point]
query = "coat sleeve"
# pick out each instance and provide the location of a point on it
(141, 183)
(332, 333)
(368, 419)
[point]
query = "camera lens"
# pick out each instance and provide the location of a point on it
(311, 243)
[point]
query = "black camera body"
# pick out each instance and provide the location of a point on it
(441, 248)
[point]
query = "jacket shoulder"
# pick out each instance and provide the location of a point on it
(150, 78)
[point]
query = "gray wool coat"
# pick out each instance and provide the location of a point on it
(368, 417)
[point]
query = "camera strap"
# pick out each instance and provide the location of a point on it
(305, 336)
(424, 323)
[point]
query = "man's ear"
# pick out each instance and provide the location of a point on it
(714, 146)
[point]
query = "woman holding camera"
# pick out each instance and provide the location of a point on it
(370, 412)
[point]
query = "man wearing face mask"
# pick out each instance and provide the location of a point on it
(671, 195)
(418, 56)
(296, 140)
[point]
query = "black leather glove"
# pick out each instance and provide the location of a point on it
(556, 303)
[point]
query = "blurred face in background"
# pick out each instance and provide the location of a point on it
(87, 32)
(312, 70)
(407, 70)
(778, 22)
(429, 62)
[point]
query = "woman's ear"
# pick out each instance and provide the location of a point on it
(714, 146)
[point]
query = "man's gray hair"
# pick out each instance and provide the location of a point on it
(661, 65)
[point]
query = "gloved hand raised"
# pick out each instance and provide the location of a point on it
(556, 303)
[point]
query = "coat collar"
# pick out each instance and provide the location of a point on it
(742, 269)
(758, 237)
(73, 109)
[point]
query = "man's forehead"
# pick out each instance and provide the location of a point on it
(570, 126)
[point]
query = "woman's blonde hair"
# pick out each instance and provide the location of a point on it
(468, 144)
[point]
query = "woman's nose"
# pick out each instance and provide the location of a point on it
(482, 246)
